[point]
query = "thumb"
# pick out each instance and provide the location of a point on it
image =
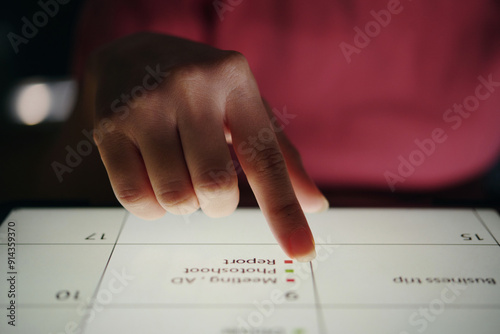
(309, 196)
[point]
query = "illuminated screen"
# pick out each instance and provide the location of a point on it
(97, 270)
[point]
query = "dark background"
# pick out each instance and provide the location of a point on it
(48, 56)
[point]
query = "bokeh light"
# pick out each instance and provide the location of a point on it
(33, 103)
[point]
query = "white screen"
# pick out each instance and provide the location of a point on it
(385, 271)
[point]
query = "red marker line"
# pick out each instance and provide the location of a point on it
(288, 261)
(290, 280)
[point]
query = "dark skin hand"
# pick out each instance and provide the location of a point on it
(166, 149)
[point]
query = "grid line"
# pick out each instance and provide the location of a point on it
(94, 296)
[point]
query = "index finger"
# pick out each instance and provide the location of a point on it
(260, 156)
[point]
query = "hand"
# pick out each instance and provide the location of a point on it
(170, 106)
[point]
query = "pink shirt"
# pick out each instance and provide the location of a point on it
(383, 93)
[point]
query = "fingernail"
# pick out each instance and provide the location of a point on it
(325, 205)
(306, 258)
(301, 245)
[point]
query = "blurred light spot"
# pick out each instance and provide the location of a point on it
(33, 103)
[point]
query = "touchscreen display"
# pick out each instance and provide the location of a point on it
(102, 270)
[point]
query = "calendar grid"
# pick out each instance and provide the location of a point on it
(381, 266)
(486, 227)
(247, 305)
(319, 309)
(318, 244)
(94, 296)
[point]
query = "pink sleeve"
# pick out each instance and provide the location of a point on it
(102, 21)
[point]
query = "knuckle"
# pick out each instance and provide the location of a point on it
(173, 194)
(227, 71)
(235, 59)
(127, 109)
(145, 100)
(108, 140)
(270, 162)
(286, 210)
(187, 75)
(235, 67)
(215, 181)
(131, 197)
(188, 86)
